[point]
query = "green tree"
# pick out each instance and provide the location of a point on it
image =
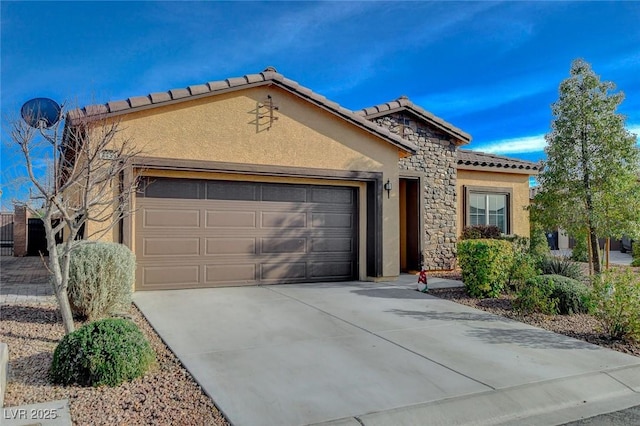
(589, 184)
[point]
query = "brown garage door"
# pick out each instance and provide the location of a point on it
(195, 233)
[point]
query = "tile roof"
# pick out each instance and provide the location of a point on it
(476, 159)
(269, 76)
(404, 104)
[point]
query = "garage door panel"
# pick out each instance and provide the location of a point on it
(331, 245)
(230, 246)
(332, 195)
(332, 220)
(239, 191)
(284, 193)
(170, 247)
(245, 233)
(283, 220)
(277, 271)
(331, 270)
(283, 245)
(230, 219)
(170, 274)
(171, 218)
(230, 274)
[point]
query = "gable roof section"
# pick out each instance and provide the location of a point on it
(475, 160)
(404, 104)
(267, 77)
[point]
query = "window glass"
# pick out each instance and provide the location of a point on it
(478, 209)
(488, 209)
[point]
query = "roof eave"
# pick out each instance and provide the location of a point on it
(494, 169)
(460, 138)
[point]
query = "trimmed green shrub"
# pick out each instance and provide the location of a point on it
(616, 296)
(523, 265)
(485, 266)
(536, 295)
(553, 294)
(561, 266)
(635, 262)
(477, 232)
(635, 250)
(105, 352)
(101, 278)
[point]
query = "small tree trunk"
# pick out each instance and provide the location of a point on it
(606, 253)
(65, 311)
(595, 252)
(590, 254)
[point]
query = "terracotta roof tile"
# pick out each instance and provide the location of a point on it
(236, 81)
(403, 103)
(254, 78)
(138, 101)
(484, 160)
(118, 105)
(198, 89)
(159, 97)
(268, 76)
(179, 93)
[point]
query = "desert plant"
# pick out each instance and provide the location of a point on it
(572, 295)
(579, 253)
(101, 277)
(553, 294)
(561, 266)
(536, 295)
(616, 296)
(523, 265)
(105, 352)
(476, 232)
(538, 246)
(485, 266)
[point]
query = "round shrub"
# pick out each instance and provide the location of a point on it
(105, 352)
(572, 295)
(553, 294)
(101, 278)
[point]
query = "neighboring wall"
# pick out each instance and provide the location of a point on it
(519, 185)
(436, 161)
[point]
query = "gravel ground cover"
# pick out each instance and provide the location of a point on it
(166, 395)
(580, 326)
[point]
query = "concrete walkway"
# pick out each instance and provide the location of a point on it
(381, 354)
(24, 280)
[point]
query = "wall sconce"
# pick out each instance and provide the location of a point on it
(388, 187)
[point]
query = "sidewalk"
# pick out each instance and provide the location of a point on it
(24, 280)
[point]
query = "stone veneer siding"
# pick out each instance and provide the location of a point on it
(436, 160)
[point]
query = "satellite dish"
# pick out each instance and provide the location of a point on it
(41, 112)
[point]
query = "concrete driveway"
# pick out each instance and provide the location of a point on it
(381, 354)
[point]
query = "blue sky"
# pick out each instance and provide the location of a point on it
(490, 68)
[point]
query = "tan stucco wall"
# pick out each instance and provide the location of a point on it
(518, 183)
(223, 129)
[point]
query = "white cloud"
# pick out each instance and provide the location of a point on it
(519, 145)
(528, 144)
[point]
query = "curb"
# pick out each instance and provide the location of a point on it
(4, 363)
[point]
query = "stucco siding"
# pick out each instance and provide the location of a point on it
(517, 183)
(234, 129)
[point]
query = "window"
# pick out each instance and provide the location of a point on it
(488, 206)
